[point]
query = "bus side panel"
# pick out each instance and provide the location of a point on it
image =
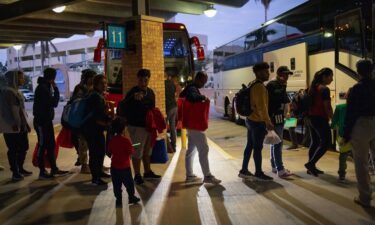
(295, 57)
(343, 83)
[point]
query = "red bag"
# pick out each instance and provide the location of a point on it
(195, 115)
(64, 139)
(46, 162)
(180, 103)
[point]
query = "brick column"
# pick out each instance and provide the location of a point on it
(147, 36)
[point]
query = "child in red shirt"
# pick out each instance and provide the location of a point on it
(121, 149)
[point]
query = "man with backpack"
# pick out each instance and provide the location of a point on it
(257, 123)
(278, 101)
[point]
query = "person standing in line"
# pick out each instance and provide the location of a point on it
(171, 109)
(257, 124)
(16, 139)
(197, 139)
(278, 101)
(359, 128)
(43, 110)
(134, 108)
(93, 129)
(80, 91)
(320, 113)
(120, 148)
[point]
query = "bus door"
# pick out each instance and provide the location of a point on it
(295, 57)
(113, 72)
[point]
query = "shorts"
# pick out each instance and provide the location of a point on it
(142, 136)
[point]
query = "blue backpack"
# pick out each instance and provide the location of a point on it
(76, 113)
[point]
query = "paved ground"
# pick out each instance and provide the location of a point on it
(300, 200)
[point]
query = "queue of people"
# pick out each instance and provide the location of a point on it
(130, 142)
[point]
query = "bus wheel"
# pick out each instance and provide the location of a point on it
(229, 110)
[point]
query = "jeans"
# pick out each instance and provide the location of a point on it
(256, 131)
(293, 136)
(96, 143)
(18, 144)
(276, 150)
(197, 140)
(46, 140)
(342, 163)
(321, 139)
(171, 117)
(119, 177)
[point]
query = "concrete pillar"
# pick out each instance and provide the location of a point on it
(146, 43)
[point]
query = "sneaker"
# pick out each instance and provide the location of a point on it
(118, 203)
(45, 176)
(245, 175)
(359, 202)
(25, 173)
(274, 170)
(138, 180)
(59, 173)
(192, 178)
(211, 180)
(151, 175)
(263, 177)
(318, 171)
(85, 169)
(105, 175)
(134, 200)
(98, 182)
(17, 177)
(311, 170)
(293, 147)
(284, 173)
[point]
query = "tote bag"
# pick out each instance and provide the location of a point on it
(159, 152)
(195, 115)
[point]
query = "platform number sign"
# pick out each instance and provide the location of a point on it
(116, 36)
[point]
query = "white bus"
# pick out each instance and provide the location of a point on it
(316, 34)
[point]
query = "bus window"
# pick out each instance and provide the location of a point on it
(349, 39)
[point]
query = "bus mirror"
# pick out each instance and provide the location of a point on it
(195, 40)
(200, 53)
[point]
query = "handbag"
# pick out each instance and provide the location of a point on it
(272, 138)
(64, 138)
(46, 162)
(159, 152)
(195, 115)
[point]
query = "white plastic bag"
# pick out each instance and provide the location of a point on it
(272, 138)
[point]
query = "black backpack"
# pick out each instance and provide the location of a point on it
(301, 103)
(242, 99)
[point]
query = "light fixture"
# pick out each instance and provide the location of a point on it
(328, 34)
(210, 11)
(59, 9)
(17, 47)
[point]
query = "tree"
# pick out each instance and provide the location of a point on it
(266, 4)
(44, 51)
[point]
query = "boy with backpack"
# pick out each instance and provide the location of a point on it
(120, 148)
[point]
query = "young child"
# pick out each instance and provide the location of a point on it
(344, 149)
(121, 149)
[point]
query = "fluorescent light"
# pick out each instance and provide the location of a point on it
(328, 34)
(17, 47)
(59, 9)
(210, 11)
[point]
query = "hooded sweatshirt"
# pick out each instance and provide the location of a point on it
(45, 102)
(13, 106)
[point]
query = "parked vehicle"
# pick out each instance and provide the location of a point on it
(27, 94)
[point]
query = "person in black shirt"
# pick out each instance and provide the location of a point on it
(134, 108)
(171, 109)
(44, 113)
(359, 128)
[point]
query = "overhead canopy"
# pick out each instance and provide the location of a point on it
(26, 21)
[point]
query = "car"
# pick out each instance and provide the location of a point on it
(27, 94)
(62, 98)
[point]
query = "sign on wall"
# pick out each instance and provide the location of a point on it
(116, 36)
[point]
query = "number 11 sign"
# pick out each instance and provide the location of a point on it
(116, 36)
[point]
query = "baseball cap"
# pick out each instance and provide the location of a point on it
(284, 69)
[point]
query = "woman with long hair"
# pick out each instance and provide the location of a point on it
(320, 112)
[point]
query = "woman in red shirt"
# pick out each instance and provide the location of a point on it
(320, 113)
(120, 147)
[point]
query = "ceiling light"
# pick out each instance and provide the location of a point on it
(17, 47)
(210, 11)
(59, 9)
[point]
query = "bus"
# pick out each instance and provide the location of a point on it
(313, 35)
(178, 59)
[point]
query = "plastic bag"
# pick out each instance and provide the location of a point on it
(272, 138)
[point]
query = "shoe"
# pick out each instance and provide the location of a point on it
(192, 178)
(245, 174)
(318, 171)
(359, 202)
(274, 170)
(78, 163)
(342, 179)
(17, 177)
(85, 169)
(98, 182)
(138, 180)
(263, 177)
(211, 180)
(105, 175)
(59, 173)
(311, 170)
(134, 200)
(118, 203)
(25, 173)
(293, 147)
(284, 173)
(151, 175)
(45, 176)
